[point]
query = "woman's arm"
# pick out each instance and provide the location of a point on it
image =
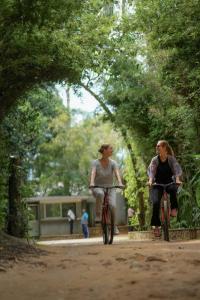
(92, 177)
(118, 176)
(176, 169)
(152, 169)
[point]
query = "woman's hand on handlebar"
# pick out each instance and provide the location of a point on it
(121, 185)
(178, 182)
(150, 182)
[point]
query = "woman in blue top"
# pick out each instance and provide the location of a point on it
(163, 169)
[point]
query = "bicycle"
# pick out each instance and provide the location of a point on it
(165, 209)
(107, 216)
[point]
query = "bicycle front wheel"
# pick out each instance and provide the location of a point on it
(107, 225)
(166, 222)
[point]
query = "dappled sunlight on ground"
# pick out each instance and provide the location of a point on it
(127, 269)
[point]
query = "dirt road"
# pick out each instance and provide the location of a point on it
(126, 270)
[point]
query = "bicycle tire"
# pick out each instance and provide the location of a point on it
(107, 225)
(166, 222)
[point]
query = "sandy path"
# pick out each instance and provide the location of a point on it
(137, 270)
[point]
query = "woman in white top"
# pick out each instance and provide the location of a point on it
(103, 172)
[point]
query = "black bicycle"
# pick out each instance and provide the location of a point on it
(165, 209)
(107, 217)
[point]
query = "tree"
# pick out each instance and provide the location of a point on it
(171, 31)
(63, 164)
(47, 42)
(143, 103)
(22, 131)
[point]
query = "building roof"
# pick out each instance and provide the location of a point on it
(58, 199)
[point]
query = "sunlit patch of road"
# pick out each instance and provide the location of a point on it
(89, 241)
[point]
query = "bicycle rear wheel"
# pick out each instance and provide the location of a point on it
(107, 225)
(166, 221)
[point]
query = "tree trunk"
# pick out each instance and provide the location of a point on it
(14, 198)
(141, 217)
(67, 187)
(139, 184)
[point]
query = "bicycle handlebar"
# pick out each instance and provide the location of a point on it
(164, 185)
(167, 184)
(107, 187)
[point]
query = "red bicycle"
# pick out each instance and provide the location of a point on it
(165, 208)
(107, 217)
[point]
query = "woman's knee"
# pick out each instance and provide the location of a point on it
(112, 198)
(98, 194)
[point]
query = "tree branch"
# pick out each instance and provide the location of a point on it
(102, 104)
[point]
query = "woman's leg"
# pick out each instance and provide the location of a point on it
(172, 191)
(98, 193)
(156, 195)
(113, 205)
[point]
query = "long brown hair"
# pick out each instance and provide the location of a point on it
(169, 149)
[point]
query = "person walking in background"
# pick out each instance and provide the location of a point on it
(84, 223)
(71, 217)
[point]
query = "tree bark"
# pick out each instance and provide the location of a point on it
(14, 198)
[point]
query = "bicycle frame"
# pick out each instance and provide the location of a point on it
(105, 207)
(107, 218)
(165, 202)
(165, 209)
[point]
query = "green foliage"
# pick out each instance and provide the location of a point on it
(3, 212)
(22, 219)
(4, 158)
(172, 35)
(47, 42)
(21, 132)
(148, 77)
(134, 221)
(63, 164)
(144, 69)
(136, 192)
(189, 197)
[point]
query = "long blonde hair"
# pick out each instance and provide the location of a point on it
(167, 146)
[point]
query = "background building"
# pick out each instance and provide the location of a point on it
(49, 214)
